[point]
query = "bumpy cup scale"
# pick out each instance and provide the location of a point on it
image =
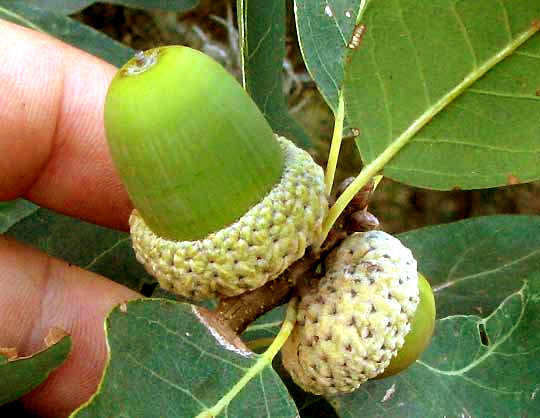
(356, 320)
(419, 337)
(222, 204)
(258, 247)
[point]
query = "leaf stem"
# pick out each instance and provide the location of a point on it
(361, 10)
(378, 163)
(335, 146)
(265, 360)
(284, 332)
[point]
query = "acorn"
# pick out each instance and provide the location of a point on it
(419, 337)
(222, 204)
(357, 318)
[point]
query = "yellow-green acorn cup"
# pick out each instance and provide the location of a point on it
(222, 204)
(351, 326)
(419, 337)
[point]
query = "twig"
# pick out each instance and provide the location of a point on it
(239, 311)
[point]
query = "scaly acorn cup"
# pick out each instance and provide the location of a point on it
(222, 204)
(354, 322)
(419, 337)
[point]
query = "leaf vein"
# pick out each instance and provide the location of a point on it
(321, 60)
(435, 172)
(190, 343)
(527, 54)
(384, 91)
(462, 257)
(345, 42)
(486, 272)
(522, 353)
(259, 43)
(421, 71)
(104, 253)
(506, 20)
(508, 95)
(492, 347)
(465, 35)
(21, 19)
(469, 144)
(263, 389)
(263, 327)
(489, 388)
(165, 380)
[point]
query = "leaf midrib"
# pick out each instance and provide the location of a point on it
(453, 94)
(375, 166)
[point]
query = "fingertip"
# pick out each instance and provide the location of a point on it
(39, 293)
(51, 122)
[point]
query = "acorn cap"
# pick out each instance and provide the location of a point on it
(191, 147)
(355, 321)
(257, 248)
(222, 204)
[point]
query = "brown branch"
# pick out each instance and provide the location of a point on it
(239, 311)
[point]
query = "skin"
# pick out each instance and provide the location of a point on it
(51, 126)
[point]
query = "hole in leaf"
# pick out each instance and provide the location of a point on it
(147, 289)
(483, 334)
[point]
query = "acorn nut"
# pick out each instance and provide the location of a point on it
(418, 338)
(351, 326)
(222, 204)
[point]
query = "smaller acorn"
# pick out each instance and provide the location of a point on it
(356, 320)
(223, 205)
(419, 337)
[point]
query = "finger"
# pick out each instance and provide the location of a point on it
(51, 128)
(40, 292)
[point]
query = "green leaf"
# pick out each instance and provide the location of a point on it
(66, 29)
(13, 211)
(324, 31)
(474, 367)
(20, 375)
(259, 335)
(60, 6)
(474, 264)
(171, 5)
(69, 7)
(163, 357)
(262, 43)
(98, 249)
(455, 85)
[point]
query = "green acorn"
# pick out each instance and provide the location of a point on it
(352, 326)
(222, 204)
(418, 338)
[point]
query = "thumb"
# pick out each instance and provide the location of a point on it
(40, 292)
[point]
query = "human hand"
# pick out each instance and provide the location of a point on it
(55, 154)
